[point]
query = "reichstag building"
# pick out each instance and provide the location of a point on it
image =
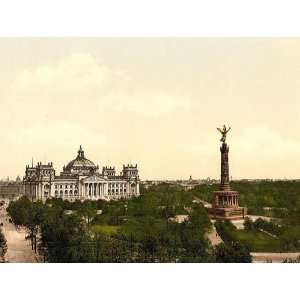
(80, 180)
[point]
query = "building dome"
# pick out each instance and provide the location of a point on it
(80, 165)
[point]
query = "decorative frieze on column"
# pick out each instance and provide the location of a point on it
(224, 167)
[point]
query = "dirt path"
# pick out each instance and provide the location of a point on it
(259, 257)
(18, 249)
(213, 236)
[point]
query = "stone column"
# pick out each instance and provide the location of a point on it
(127, 189)
(105, 188)
(224, 167)
(40, 190)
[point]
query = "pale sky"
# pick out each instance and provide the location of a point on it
(154, 102)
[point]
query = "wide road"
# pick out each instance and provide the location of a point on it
(19, 249)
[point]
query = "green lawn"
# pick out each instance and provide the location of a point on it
(258, 241)
(107, 229)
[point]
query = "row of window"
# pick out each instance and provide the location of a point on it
(45, 172)
(113, 191)
(110, 192)
(110, 185)
(66, 192)
(66, 186)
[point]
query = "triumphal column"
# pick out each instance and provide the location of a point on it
(226, 201)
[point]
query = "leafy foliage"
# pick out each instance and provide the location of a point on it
(136, 230)
(3, 245)
(28, 214)
(144, 229)
(253, 240)
(233, 252)
(279, 199)
(288, 236)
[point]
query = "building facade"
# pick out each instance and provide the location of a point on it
(11, 189)
(80, 180)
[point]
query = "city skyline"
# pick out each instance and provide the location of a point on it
(152, 101)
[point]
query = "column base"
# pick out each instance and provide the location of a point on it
(227, 213)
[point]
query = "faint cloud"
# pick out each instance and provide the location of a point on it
(264, 142)
(74, 72)
(152, 104)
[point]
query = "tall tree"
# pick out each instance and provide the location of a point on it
(232, 253)
(3, 245)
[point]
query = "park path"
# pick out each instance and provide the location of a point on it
(213, 236)
(18, 249)
(259, 257)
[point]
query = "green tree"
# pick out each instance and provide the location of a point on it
(66, 239)
(248, 224)
(28, 214)
(88, 210)
(3, 245)
(232, 253)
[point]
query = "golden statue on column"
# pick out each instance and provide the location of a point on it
(224, 132)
